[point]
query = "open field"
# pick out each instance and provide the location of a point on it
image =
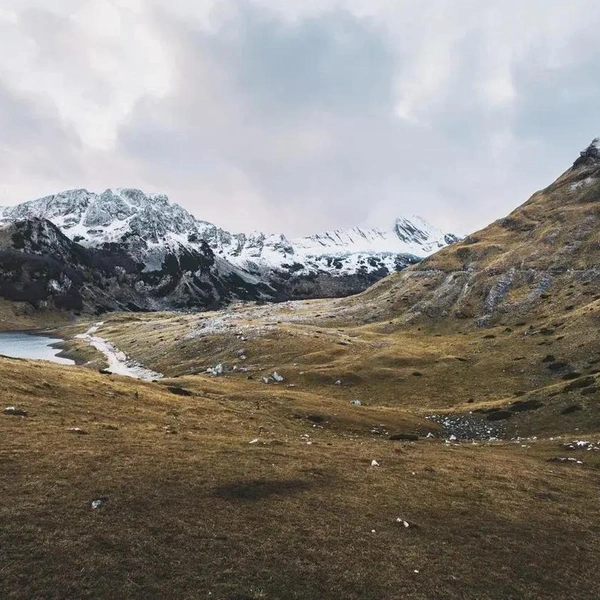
(194, 510)
(247, 471)
(548, 363)
(244, 489)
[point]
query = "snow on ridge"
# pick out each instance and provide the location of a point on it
(152, 226)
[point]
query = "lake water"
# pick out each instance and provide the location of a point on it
(19, 344)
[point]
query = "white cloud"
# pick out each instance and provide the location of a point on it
(299, 115)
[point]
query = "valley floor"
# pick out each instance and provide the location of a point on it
(232, 488)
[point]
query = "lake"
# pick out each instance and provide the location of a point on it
(20, 344)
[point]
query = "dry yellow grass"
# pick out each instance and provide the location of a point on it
(246, 490)
(195, 511)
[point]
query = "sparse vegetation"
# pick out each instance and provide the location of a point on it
(433, 437)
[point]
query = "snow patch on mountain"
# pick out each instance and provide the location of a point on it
(151, 228)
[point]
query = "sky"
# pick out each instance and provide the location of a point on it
(299, 116)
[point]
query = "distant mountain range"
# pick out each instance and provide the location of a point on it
(167, 249)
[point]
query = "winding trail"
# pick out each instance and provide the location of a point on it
(118, 363)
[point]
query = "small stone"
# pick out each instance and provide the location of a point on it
(216, 370)
(77, 430)
(15, 412)
(374, 463)
(98, 502)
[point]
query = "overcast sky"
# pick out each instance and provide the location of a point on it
(299, 115)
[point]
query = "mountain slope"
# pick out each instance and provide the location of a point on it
(40, 265)
(149, 229)
(540, 259)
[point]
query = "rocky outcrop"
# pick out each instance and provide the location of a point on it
(40, 265)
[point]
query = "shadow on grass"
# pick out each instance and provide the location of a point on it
(258, 489)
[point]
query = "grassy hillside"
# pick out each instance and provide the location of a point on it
(192, 509)
(238, 486)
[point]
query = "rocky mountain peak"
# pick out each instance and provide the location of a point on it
(160, 237)
(590, 156)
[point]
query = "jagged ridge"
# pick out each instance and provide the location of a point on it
(152, 227)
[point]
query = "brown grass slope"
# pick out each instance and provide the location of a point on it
(503, 324)
(193, 510)
(548, 248)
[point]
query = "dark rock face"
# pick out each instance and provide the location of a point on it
(163, 238)
(40, 265)
(590, 155)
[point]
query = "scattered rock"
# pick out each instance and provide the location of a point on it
(417, 374)
(356, 402)
(467, 427)
(216, 370)
(104, 372)
(581, 445)
(338, 382)
(276, 377)
(15, 412)
(563, 459)
(374, 463)
(77, 430)
(98, 502)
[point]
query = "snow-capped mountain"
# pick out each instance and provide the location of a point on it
(161, 236)
(122, 215)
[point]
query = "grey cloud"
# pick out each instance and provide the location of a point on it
(333, 62)
(33, 138)
(290, 124)
(305, 110)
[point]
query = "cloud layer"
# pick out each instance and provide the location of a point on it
(299, 116)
